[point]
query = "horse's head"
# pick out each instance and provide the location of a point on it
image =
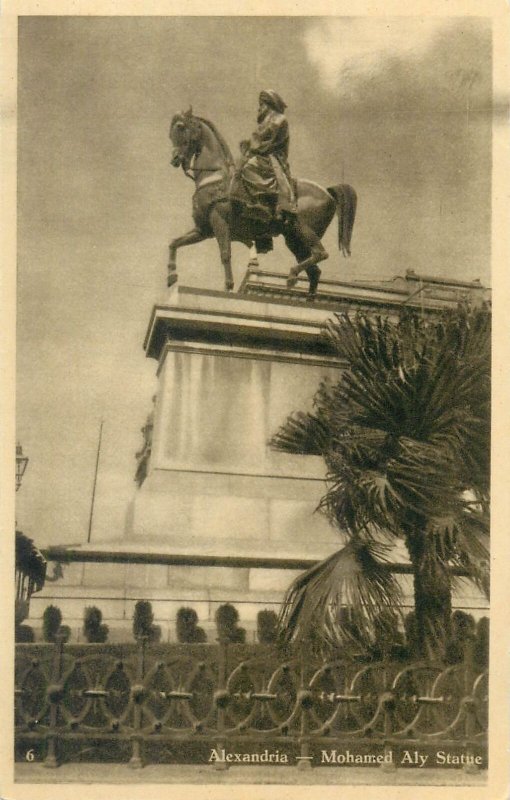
(185, 135)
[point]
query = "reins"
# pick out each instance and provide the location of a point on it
(187, 170)
(196, 141)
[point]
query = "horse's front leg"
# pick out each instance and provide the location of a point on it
(192, 237)
(221, 231)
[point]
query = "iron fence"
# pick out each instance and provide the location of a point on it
(146, 703)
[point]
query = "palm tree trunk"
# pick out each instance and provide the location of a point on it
(432, 598)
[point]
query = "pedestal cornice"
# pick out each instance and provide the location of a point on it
(264, 314)
(217, 318)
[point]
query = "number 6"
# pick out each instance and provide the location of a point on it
(29, 755)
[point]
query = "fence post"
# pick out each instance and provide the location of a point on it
(138, 695)
(55, 692)
(221, 699)
(305, 701)
(388, 701)
(469, 706)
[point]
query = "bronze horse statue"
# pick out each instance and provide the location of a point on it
(205, 157)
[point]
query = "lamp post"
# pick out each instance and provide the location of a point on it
(21, 465)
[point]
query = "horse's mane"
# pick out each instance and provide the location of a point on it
(223, 144)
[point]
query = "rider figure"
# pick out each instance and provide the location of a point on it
(264, 186)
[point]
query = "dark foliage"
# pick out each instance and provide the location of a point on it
(143, 622)
(481, 650)
(187, 629)
(65, 633)
(94, 629)
(267, 626)
(24, 633)
(29, 560)
(227, 618)
(389, 642)
(52, 619)
(404, 434)
(410, 635)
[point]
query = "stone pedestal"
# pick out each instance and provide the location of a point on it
(231, 369)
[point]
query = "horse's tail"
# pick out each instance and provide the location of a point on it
(346, 202)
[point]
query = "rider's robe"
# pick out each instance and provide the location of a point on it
(264, 175)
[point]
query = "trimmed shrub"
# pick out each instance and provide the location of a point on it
(186, 625)
(94, 629)
(463, 634)
(227, 618)
(267, 626)
(481, 651)
(411, 636)
(389, 641)
(52, 619)
(65, 632)
(143, 622)
(24, 633)
(463, 625)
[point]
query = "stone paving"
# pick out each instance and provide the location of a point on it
(189, 774)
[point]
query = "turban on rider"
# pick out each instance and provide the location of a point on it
(273, 99)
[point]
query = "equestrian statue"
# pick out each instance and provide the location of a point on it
(256, 199)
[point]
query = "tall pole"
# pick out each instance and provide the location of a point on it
(95, 481)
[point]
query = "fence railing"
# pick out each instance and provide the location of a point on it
(146, 703)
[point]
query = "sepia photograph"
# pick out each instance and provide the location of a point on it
(252, 448)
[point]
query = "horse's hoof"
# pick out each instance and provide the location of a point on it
(292, 278)
(171, 278)
(314, 274)
(229, 286)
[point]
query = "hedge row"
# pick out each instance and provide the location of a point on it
(390, 641)
(187, 628)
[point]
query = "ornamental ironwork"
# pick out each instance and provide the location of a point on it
(153, 702)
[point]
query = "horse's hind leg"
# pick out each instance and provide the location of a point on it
(221, 231)
(192, 237)
(308, 249)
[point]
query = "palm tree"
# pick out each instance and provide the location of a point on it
(404, 434)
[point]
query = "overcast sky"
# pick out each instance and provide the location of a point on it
(398, 108)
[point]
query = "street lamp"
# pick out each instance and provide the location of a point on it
(21, 465)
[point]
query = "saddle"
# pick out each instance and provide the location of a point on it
(266, 213)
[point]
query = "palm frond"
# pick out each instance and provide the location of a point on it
(302, 434)
(355, 577)
(461, 539)
(472, 548)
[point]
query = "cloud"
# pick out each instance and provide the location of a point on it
(403, 63)
(340, 45)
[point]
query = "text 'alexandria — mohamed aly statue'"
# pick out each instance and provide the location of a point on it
(256, 199)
